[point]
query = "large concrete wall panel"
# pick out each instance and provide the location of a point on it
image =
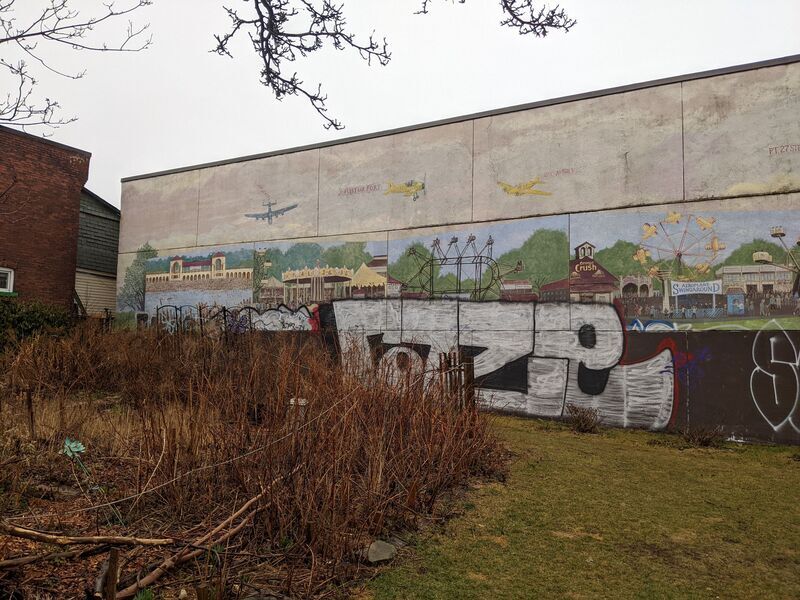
(160, 211)
(279, 193)
(742, 133)
(605, 152)
(560, 246)
(406, 180)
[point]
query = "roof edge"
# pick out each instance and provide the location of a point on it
(94, 196)
(772, 62)
(44, 140)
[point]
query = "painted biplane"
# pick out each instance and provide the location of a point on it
(702, 268)
(524, 189)
(673, 218)
(410, 189)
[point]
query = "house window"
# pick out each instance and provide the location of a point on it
(6, 280)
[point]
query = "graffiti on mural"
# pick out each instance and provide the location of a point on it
(208, 319)
(774, 381)
(534, 358)
(654, 325)
(688, 366)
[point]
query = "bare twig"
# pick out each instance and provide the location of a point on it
(68, 540)
(56, 24)
(21, 561)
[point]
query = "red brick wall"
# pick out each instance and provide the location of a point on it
(39, 214)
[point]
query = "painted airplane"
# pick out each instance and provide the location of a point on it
(641, 256)
(269, 215)
(524, 189)
(715, 245)
(702, 268)
(410, 189)
(673, 218)
(649, 231)
(705, 222)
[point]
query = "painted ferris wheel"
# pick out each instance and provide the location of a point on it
(681, 247)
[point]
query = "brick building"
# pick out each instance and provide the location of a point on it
(40, 195)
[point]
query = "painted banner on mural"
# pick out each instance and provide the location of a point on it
(684, 288)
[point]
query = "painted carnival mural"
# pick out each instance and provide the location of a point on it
(555, 310)
(634, 252)
(692, 267)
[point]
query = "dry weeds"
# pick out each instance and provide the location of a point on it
(181, 431)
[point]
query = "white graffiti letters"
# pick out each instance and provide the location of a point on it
(774, 382)
(570, 353)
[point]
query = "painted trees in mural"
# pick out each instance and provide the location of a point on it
(406, 268)
(485, 262)
(542, 256)
(132, 293)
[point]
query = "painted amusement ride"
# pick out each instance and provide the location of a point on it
(679, 247)
(789, 263)
(483, 274)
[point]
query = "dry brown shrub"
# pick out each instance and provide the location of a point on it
(703, 437)
(181, 430)
(583, 419)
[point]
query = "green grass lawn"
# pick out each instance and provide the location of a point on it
(621, 514)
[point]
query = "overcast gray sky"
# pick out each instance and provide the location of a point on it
(177, 104)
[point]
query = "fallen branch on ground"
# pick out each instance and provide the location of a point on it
(178, 558)
(20, 561)
(184, 555)
(67, 540)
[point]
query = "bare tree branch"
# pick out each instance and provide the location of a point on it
(524, 16)
(281, 31)
(56, 24)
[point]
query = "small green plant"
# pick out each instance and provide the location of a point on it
(72, 449)
(145, 594)
(583, 419)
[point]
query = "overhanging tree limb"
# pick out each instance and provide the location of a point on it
(56, 24)
(281, 31)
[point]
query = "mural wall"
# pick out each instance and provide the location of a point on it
(637, 252)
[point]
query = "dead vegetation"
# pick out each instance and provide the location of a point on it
(255, 464)
(583, 419)
(703, 437)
